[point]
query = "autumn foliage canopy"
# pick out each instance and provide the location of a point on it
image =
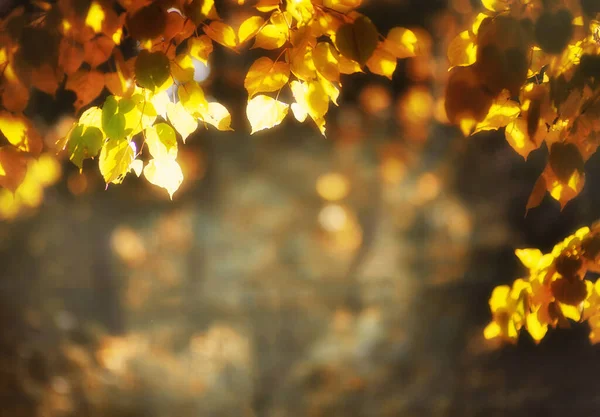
(530, 67)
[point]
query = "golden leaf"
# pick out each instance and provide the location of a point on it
(265, 76)
(325, 58)
(249, 28)
(382, 62)
(222, 33)
(516, 136)
(401, 42)
(462, 49)
(200, 48)
(20, 133)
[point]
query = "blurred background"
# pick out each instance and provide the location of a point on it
(291, 275)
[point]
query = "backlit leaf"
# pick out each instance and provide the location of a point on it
(249, 28)
(516, 135)
(265, 112)
(325, 58)
(382, 62)
(501, 113)
(401, 43)
(343, 6)
(462, 50)
(217, 115)
(165, 173)
(84, 142)
(182, 68)
(192, 98)
(13, 167)
(113, 122)
(183, 122)
(20, 133)
(161, 140)
(200, 48)
(265, 76)
(222, 33)
(115, 159)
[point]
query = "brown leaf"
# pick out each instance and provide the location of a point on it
(537, 194)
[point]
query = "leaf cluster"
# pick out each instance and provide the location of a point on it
(153, 99)
(532, 67)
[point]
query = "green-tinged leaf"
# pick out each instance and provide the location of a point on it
(116, 157)
(161, 140)
(357, 40)
(113, 122)
(152, 70)
(84, 142)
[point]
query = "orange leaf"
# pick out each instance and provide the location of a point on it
(13, 167)
(87, 85)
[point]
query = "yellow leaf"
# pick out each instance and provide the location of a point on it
(325, 58)
(300, 112)
(301, 63)
(161, 140)
(499, 298)
(502, 112)
(496, 5)
(492, 331)
(165, 173)
(271, 37)
(182, 121)
(343, 6)
(401, 42)
(222, 33)
(95, 17)
(265, 112)
(182, 68)
(249, 28)
(516, 136)
(265, 76)
(217, 115)
(347, 66)
(462, 50)
(192, 98)
(311, 97)
(200, 48)
(267, 5)
(115, 158)
(536, 329)
(382, 62)
(529, 257)
(331, 90)
(302, 11)
(20, 133)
